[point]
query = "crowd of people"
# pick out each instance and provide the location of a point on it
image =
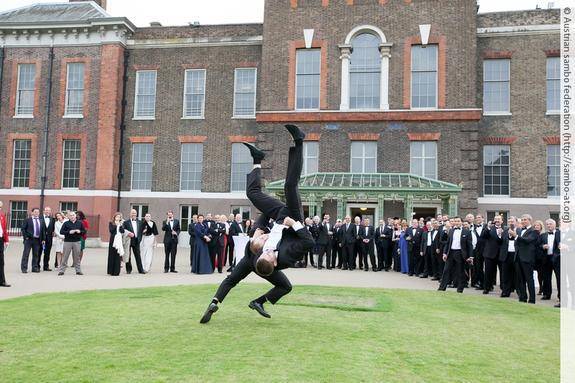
(457, 253)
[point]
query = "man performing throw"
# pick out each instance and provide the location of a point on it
(269, 252)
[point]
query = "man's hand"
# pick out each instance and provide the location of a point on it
(289, 222)
(444, 257)
(130, 234)
(546, 247)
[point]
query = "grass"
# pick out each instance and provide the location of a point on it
(316, 334)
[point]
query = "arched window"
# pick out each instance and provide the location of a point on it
(365, 72)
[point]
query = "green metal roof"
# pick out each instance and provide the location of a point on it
(367, 182)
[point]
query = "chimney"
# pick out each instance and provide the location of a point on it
(101, 3)
(155, 24)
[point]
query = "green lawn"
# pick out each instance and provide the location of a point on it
(317, 334)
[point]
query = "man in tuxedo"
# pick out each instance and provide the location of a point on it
(48, 223)
(427, 249)
(493, 238)
(478, 228)
(437, 249)
(526, 241)
(171, 229)
(132, 226)
(236, 228)
(285, 244)
(33, 234)
(507, 258)
(357, 251)
(456, 252)
(4, 239)
(348, 239)
(366, 236)
(192, 233)
(379, 236)
(413, 237)
(336, 250)
(323, 242)
(213, 234)
(551, 247)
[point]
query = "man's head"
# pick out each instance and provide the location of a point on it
(415, 223)
(170, 214)
(266, 263)
(217, 218)
(257, 242)
(512, 222)
(209, 216)
(72, 216)
(238, 218)
(497, 221)
(347, 219)
(308, 221)
(316, 219)
(479, 219)
(326, 217)
(357, 220)
(435, 223)
(47, 211)
(456, 221)
(469, 218)
(366, 222)
(428, 225)
(550, 224)
(200, 218)
(133, 214)
(231, 217)
(526, 220)
(35, 212)
(194, 218)
(381, 222)
(439, 217)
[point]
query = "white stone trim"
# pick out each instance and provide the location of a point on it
(414, 110)
(191, 42)
(501, 201)
(519, 30)
(365, 27)
(125, 194)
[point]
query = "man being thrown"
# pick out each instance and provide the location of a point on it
(286, 243)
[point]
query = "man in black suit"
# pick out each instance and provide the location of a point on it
(551, 247)
(171, 229)
(48, 222)
(526, 241)
(33, 235)
(323, 241)
(236, 228)
(507, 258)
(456, 252)
(336, 250)
(366, 235)
(378, 238)
(287, 242)
(427, 249)
(192, 233)
(348, 239)
(213, 234)
(413, 237)
(357, 251)
(493, 239)
(477, 228)
(133, 226)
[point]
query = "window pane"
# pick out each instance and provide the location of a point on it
(363, 157)
(310, 157)
(18, 213)
(75, 89)
(308, 62)
(241, 166)
(364, 72)
(496, 169)
(496, 85)
(191, 167)
(21, 163)
(71, 167)
(553, 170)
(424, 159)
(194, 93)
(553, 84)
(25, 89)
(142, 157)
(424, 76)
(145, 94)
(245, 92)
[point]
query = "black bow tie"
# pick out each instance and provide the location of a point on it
(457, 228)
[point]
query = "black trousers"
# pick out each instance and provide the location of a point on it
(367, 250)
(547, 276)
(478, 276)
(507, 277)
(46, 252)
(524, 276)
(230, 249)
(455, 262)
(170, 250)
(490, 273)
(348, 253)
(380, 256)
(35, 245)
(428, 261)
(192, 245)
(324, 250)
(135, 248)
(413, 260)
(272, 207)
(436, 264)
(213, 250)
(282, 285)
(336, 255)
(2, 276)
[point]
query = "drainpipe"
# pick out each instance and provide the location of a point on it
(1, 69)
(122, 127)
(46, 128)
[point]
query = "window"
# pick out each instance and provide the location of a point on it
(191, 167)
(504, 215)
(496, 170)
(424, 76)
(241, 165)
(553, 170)
(145, 101)
(68, 206)
(363, 157)
(307, 78)
(21, 163)
(186, 214)
(141, 209)
(75, 90)
(243, 210)
(18, 213)
(424, 159)
(365, 72)
(496, 86)
(245, 92)
(194, 93)
(310, 157)
(142, 156)
(554, 215)
(553, 84)
(25, 89)
(71, 168)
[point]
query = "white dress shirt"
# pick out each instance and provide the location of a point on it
(275, 235)
(429, 234)
(135, 226)
(456, 241)
(550, 242)
(47, 220)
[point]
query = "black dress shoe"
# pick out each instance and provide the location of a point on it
(485, 292)
(545, 298)
(45, 269)
(256, 153)
(531, 302)
(459, 291)
(35, 271)
(79, 273)
(505, 295)
(4, 285)
(212, 308)
(60, 273)
(441, 289)
(343, 268)
(296, 133)
(259, 308)
(435, 279)
(166, 270)
(24, 271)
(173, 271)
(558, 305)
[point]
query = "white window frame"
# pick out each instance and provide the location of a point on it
(307, 158)
(363, 157)
(132, 168)
(136, 116)
(555, 165)
(319, 85)
(182, 162)
(436, 80)
(64, 163)
(232, 170)
(14, 164)
(423, 158)
(378, 107)
(483, 173)
(201, 116)
(547, 79)
(189, 219)
(25, 115)
(245, 117)
(497, 113)
(66, 113)
(139, 208)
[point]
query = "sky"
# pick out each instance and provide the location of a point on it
(182, 12)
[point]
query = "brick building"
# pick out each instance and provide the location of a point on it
(410, 107)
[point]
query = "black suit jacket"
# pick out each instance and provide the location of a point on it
(192, 233)
(293, 246)
(48, 230)
(383, 237)
(236, 228)
(526, 245)
(134, 241)
(556, 243)
(323, 238)
(28, 229)
(465, 242)
(168, 237)
(504, 249)
(435, 241)
(493, 243)
(413, 241)
(369, 235)
(348, 236)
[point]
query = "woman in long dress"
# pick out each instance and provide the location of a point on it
(403, 250)
(201, 263)
(58, 241)
(148, 233)
(114, 256)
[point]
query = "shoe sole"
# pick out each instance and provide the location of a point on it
(253, 308)
(208, 314)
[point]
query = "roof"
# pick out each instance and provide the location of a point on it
(54, 12)
(366, 182)
(518, 18)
